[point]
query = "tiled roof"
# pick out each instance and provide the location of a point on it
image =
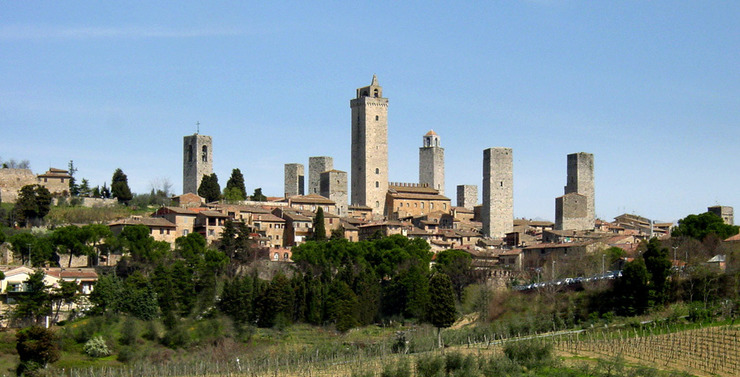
(159, 222)
(311, 199)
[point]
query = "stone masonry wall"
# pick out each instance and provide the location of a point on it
(581, 181)
(498, 192)
(294, 180)
(316, 166)
(334, 187)
(197, 161)
(12, 180)
(432, 167)
(467, 196)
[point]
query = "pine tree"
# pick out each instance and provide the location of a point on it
(74, 189)
(235, 186)
(119, 187)
(441, 310)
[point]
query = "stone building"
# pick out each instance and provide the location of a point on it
(333, 186)
(294, 180)
(467, 196)
(725, 212)
(370, 147)
(409, 200)
(12, 180)
(316, 166)
(56, 181)
(580, 215)
(197, 161)
(432, 162)
(497, 211)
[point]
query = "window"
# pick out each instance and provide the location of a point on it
(210, 233)
(190, 153)
(377, 171)
(377, 204)
(431, 205)
(422, 205)
(377, 117)
(205, 153)
(375, 93)
(377, 184)
(62, 180)
(184, 232)
(161, 231)
(276, 256)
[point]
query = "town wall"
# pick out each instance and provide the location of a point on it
(12, 180)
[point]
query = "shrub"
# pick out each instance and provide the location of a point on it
(430, 366)
(96, 347)
(529, 353)
(129, 332)
(400, 369)
(176, 337)
(128, 353)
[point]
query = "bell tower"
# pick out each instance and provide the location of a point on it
(197, 161)
(370, 147)
(432, 162)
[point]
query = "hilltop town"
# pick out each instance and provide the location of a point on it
(344, 249)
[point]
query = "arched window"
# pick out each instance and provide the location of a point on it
(364, 93)
(375, 93)
(205, 153)
(377, 184)
(377, 171)
(276, 256)
(285, 256)
(377, 117)
(377, 204)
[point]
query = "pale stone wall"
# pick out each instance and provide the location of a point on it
(571, 212)
(12, 180)
(725, 212)
(316, 166)
(294, 180)
(498, 192)
(432, 167)
(98, 202)
(370, 148)
(467, 196)
(334, 187)
(197, 161)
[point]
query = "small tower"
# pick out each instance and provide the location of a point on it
(197, 161)
(576, 209)
(294, 180)
(369, 173)
(334, 187)
(432, 162)
(498, 192)
(316, 166)
(467, 196)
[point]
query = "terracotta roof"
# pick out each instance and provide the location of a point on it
(394, 188)
(417, 196)
(159, 222)
(209, 213)
(431, 133)
(72, 273)
(311, 199)
(56, 173)
(734, 238)
(462, 209)
(178, 210)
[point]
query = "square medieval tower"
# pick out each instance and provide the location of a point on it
(197, 161)
(370, 147)
(498, 192)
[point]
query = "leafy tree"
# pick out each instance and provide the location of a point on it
(342, 306)
(699, 226)
(34, 303)
(2, 236)
(119, 187)
(257, 196)
(71, 240)
(96, 235)
(22, 245)
(106, 297)
(209, 188)
(136, 239)
(235, 245)
(32, 205)
(236, 299)
(456, 265)
(235, 186)
(276, 303)
(632, 293)
(37, 347)
(658, 265)
(319, 228)
(441, 311)
(139, 298)
(84, 189)
(64, 294)
(96, 192)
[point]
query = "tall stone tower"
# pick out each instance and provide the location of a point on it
(572, 212)
(467, 196)
(498, 192)
(294, 180)
(432, 162)
(334, 187)
(370, 147)
(197, 161)
(316, 166)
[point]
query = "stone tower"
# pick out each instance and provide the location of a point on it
(467, 196)
(370, 147)
(334, 187)
(432, 162)
(197, 161)
(316, 166)
(294, 182)
(725, 212)
(498, 192)
(575, 213)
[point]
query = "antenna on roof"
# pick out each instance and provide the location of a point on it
(197, 127)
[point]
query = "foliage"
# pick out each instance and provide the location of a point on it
(441, 311)
(96, 347)
(32, 205)
(37, 347)
(631, 291)
(257, 196)
(456, 265)
(235, 189)
(319, 229)
(71, 240)
(529, 353)
(74, 189)
(209, 188)
(119, 187)
(658, 265)
(699, 226)
(34, 303)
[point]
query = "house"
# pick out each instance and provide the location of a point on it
(210, 224)
(183, 218)
(384, 228)
(56, 181)
(311, 202)
(187, 200)
(410, 199)
(160, 229)
(269, 226)
(298, 228)
(360, 212)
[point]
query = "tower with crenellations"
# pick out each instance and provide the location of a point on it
(369, 171)
(432, 162)
(197, 161)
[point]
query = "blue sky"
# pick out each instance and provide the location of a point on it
(652, 89)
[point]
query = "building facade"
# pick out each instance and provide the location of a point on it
(580, 181)
(370, 147)
(197, 161)
(333, 186)
(432, 162)
(467, 196)
(497, 211)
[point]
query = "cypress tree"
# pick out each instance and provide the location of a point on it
(441, 310)
(119, 187)
(209, 188)
(319, 229)
(235, 186)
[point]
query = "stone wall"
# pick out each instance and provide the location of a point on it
(12, 180)
(467, 196)
(571, 212)
(294, 180)
(316, 166)
(498, 192)
(334, 187)
(197, 161)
